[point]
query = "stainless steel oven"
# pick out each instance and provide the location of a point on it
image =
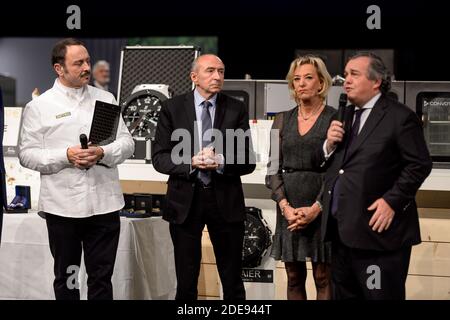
(243, 90)
(431, 102)
(272, 96)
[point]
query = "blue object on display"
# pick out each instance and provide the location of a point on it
(21, 202)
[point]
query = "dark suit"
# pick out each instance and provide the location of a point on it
(2, 165)
(190, 207)
(389, 159)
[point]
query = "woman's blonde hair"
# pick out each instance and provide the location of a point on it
(322, 72)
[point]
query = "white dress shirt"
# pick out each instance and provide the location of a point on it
(52, 123)
(198, 102)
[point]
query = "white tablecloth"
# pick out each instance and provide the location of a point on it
(144, 266)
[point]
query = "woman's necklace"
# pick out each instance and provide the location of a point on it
(315, 111)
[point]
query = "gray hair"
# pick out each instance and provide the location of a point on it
(100, 63)
(377, 69)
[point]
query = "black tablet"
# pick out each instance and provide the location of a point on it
(104, 123)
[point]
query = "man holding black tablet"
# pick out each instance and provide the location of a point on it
(80, 199)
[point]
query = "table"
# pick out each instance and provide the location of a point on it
(144, 266)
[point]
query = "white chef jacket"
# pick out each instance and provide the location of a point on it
(52, 123)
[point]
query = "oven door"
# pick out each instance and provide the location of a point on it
(434, 110)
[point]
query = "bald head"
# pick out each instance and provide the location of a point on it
(204, 58)
(208, 75)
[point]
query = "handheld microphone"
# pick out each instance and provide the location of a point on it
(83, 141)
(342, 105)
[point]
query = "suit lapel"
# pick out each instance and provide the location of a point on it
(371, 123)
(189, 110)
(220, 111)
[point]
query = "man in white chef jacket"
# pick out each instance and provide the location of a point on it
(80, 191)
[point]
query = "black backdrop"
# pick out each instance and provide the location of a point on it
(258, 37)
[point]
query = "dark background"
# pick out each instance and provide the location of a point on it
(258, 37)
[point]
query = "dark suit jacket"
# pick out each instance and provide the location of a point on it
(2, 165)
(179, 113)
(388, 159)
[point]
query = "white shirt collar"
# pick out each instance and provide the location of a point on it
(72, 93)
(198, 99)
(371, 103)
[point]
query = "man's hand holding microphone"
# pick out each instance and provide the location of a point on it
(335, 133)
(84, 156)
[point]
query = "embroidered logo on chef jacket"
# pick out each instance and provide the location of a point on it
(62, 115)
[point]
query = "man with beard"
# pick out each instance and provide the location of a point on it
(80, 193)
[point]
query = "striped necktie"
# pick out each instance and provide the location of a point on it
(205, 176)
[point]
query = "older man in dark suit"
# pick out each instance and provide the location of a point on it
(375, 164)
(204, 185)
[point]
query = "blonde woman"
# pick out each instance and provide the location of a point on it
(296, 181)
